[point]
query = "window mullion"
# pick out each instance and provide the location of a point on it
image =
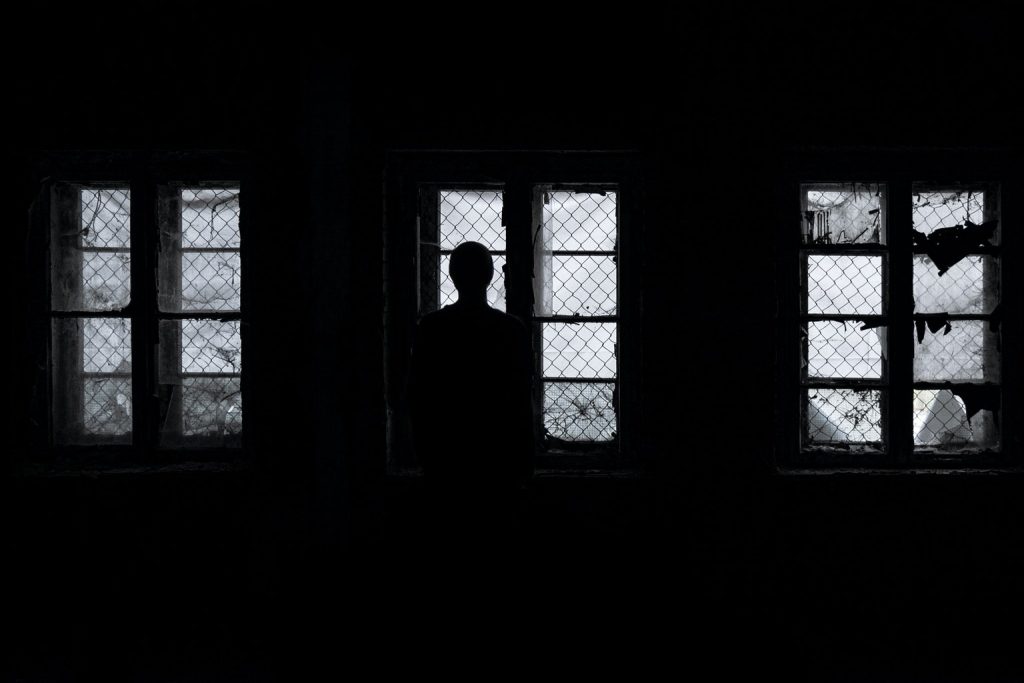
(143, 314)
(898, 417)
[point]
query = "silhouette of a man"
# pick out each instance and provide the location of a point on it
(470, 391)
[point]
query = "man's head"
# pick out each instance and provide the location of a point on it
(471, 268)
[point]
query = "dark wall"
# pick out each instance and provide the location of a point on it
(706, 555)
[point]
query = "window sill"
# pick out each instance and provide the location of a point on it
(92, 471)
(897, 472)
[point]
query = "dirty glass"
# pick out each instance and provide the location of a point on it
(843, 416)
(841, 349)
(843, 213)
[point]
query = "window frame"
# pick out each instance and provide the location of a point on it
(145, 175)
(517, 173)
(899, 171)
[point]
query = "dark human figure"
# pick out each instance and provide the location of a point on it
(470, 396)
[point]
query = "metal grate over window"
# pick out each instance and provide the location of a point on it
(576, 314)
(465, 216)
(949, 251)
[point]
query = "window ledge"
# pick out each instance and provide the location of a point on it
(92, 471)
(909, 471)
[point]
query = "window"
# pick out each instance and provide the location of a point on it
(900, 318)
(559, 250)
(145, 340)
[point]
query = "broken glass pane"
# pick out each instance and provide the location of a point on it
(844, 284)
(107, 405)
(106, 218)
(838, 349)
(940, 422)
(495, 291)
(843, 416)
(471, 216)
(946, 209)
(579, 350)
(211, 406)
(578, 285)
(961, 289)
(207, 346)
(580, 221)
(960, 354)
(848, 213)
(579, 411)
(106, 344)
(209, 218)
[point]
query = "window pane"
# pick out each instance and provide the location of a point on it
(209, 217)
(848, 213)
(495, 291)
(841, 349)
(210, 346)
(90, 258)
(580, 221)
(961, 289)
(574, 350)
(578, 285)
(579, 411)
(92, 380)
(106, 218)
(471, 215)
(962, 353)
(843, 416)
(844, 284)
(940, 421)
(211, 281)
(211, 406)
(946, 209)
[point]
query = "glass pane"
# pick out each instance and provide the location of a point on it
(106, 344)
(209, 217)
(209, 346)
(841, 349)
(579, 411)
(946, 209)
(106, 218)
(844, 284)
(580, 221)
(961, 289)
(579, 285)
(966, 352)
(210, 281)
(211, 406)
(107, 405)
(848, 213)
(843, 416)
(940, 421)
(495, 291)
(579, 350)
(471, 216)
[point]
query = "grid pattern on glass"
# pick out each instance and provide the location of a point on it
(959, 354)
(107, 405)
(843, 416)
(960, 290)
(844, 284)
(580, 411)
(470, 216)
(843, 214)
(841, 349)
(209, 218)
(447, 294)
(211, 280)
(581, 221)
(941, 422)
(947, 209)
(211, 406)
(106, 218)
(95, 385)
(210, 346)
(579, 350)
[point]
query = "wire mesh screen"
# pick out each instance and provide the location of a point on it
(843, 416)
(576, 275)
(841, 349)
(960, 290)
(941, 422)
(849, 213)
(947, 209)
(468, 216)
(580, 411)
(200, 264)
(956, 352)
(844, 284)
